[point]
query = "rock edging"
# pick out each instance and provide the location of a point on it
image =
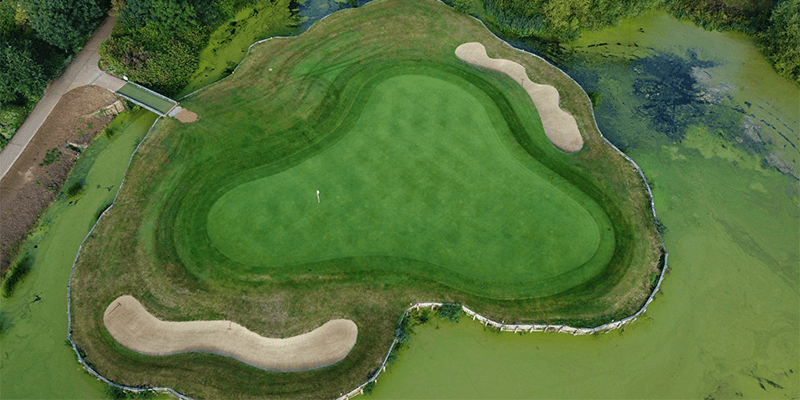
(360, 389)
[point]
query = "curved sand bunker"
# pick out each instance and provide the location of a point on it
(138, 330)
(559, 126)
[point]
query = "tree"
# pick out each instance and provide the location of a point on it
(781, 42)
(173, 16)
(135, 14)
(64, 23)
(7, 11)
(21, 76)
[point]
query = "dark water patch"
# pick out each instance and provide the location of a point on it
(669, 94)
(312, 11)
(779, 133)
(762, 381)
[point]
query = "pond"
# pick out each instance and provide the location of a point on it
(714, 129)
(723, 165)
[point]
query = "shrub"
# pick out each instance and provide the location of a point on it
(109, 132)
(596, 98)
(450, 311)
(661, 228)
(114, 392)
(53, 155)
(101, 210)
(16, 274)
(369, 387)
(75, 189)
(654, 280)
(780, 41)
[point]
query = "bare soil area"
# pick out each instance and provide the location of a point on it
(36, 177)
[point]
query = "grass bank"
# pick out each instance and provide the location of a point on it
(259, 124)
(36, 363)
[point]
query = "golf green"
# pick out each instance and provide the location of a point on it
(436, 183)
(425, 173)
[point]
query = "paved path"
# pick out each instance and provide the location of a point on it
(81, 71)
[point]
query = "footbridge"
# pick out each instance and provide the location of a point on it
(155, 102)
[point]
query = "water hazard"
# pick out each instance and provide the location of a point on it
(714, 129)
(726, 323)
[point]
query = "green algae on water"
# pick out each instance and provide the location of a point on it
(228, 44)
(725, 323)
(35, 361)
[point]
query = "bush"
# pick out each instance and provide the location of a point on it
(75, 189)
(420, 316)
(114, 392)
(16, 274)
(53, 155)
(109, 132)
(403, 331)
(781, 42)
(11, 117)
(463, 6)
(369, 387)
(661, 228)
(450, 311)
(164, 65)
(596, 98)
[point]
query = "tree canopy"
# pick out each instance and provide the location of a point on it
(37, 37)
(64, 23)
(781, 42)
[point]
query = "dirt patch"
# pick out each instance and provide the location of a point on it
(38, 174)
(186, 116)
(559, 126)
(135, 328)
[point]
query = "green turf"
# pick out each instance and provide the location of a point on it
(425, 174)
(436, 183)
(147, 98)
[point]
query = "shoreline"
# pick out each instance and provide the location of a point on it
(503, 327)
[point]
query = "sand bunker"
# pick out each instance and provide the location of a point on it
(559, 126)
(135, 328)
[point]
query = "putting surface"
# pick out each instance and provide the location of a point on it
(427, 174)
(135, 328)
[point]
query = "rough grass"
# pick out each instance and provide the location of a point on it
(258, 123)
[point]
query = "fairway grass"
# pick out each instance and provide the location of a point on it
(436, 183)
